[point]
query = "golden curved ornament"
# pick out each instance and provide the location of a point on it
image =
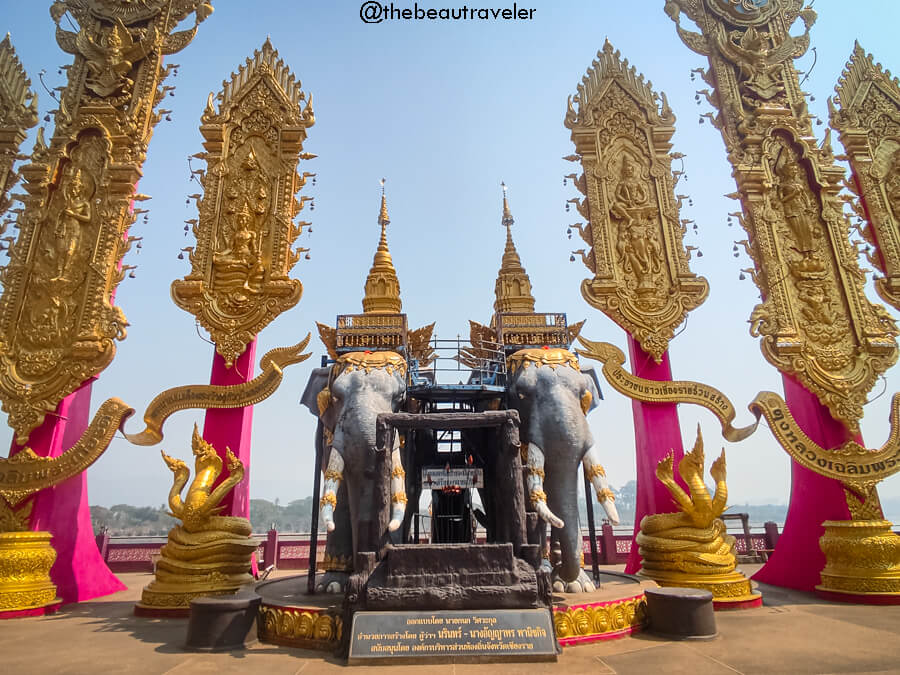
(653, 391)
(866, 115)
(239, 280)
(58, 327)
(207, 554)
(25, 473)
(692, 547)
(641, 278)
(862, 554)
(815, 321)
(258, 389)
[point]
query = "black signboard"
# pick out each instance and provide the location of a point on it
(502, 634)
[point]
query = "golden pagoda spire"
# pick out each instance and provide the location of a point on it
(382, 286)
(513, 287)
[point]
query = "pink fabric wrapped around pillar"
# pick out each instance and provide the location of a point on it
(232, 428)
(656, 434)
(798, 559)
(79, 572)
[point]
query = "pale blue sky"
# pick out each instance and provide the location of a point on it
(445, 111)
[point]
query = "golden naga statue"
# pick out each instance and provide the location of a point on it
(692, 548)
(207, 554)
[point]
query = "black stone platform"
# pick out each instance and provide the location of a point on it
(453, 576)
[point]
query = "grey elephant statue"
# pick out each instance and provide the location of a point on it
(553, 397)
(363, 496)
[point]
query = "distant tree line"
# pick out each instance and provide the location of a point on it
(147, 521)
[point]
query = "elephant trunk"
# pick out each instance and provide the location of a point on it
(334, 474)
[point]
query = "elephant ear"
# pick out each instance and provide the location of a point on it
(318, 380)
(593, 386)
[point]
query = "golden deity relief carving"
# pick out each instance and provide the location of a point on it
(814, 319)
(239, 280)
(621, 132)
(866, 114)
(58, 326)
(18, 113)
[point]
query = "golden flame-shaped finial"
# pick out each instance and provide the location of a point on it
(382, 292)
(513, 287)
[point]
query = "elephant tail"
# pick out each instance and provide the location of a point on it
(334, 474)
(398, 494)
(597, 475)
(534, 467)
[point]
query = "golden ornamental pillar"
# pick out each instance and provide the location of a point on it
(641, 278)
(18, 104)
(58, 325)
(239, 280)
(815, 323)
(866, 115)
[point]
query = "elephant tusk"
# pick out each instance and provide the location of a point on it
(398, 489)
(534, 466)
(333, 477)
(597, 475)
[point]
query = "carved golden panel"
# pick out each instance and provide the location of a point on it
(58, 326)
(814, 319)
(637, 255)
(866, 114)
(18, 113)
(239, 280)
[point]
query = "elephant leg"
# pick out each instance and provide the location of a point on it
(534, 468)
(398, 489)
(562, 496)
(597, 475)
(338, 563)
(334, 474)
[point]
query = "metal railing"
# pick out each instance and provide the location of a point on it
(457, 359)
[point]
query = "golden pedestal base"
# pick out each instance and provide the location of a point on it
(731, 588)
(25, 562)
(862, 558)
(219, 566)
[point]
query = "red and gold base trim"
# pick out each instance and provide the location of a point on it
(600, 620)
(303, 627)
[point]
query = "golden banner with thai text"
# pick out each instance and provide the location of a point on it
(850, 463)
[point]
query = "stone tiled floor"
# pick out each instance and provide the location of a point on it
(792, 633)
